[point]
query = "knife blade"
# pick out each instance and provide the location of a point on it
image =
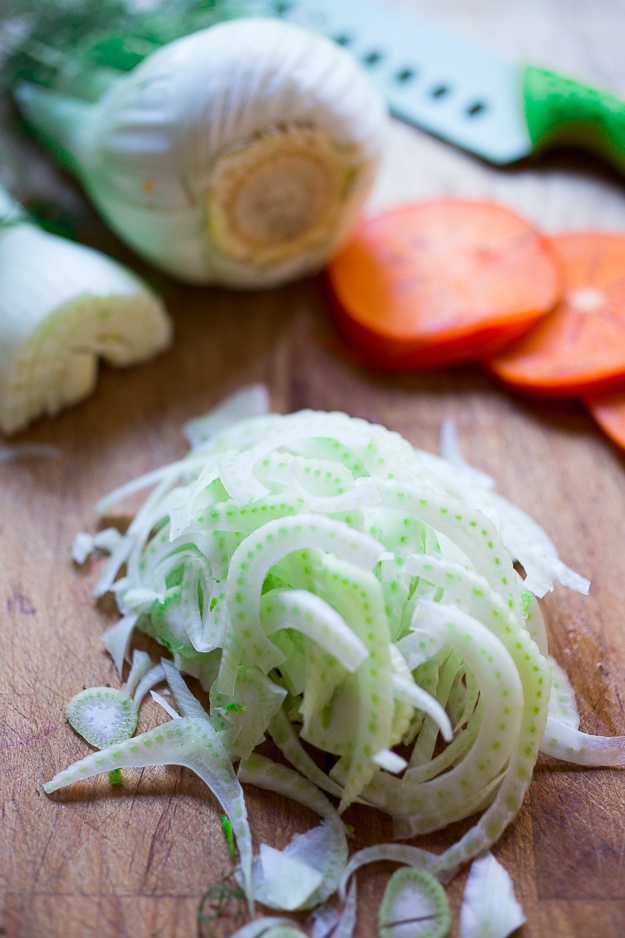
(501, 111)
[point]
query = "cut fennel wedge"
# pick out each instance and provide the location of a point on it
(63, 306)
(341, 592)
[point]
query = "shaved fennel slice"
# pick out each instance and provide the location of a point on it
(117, 638)
(405, 854)
(187, 742)
(313, 616)
(263, 926)
(106, 715)
(489, 907)
(63, 306)
(285, 931)
(167, 707)
(282, 881)
(525, 538)
(102, 715)
(324, 848)
(347, 922)
(245, 715)
(414, 906)
(82, 547)
(324, 920)
(390, 761)
(535, 551)
(357, 596)
(288, 742)
(189, 705)
(467, 528)
(411, 693)
(563, 741)
(447, 798)
(247, 402)
(250, 564)
(562, 703)
(450, 451)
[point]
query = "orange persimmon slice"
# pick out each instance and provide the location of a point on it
(434, 283)
(579, 348)
(609, 412)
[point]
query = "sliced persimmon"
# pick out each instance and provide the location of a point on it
(609, 412)
(579, 348)
(434, 283)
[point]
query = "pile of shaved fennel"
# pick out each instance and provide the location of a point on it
(345, 594)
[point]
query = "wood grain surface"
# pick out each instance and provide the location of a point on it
(135, 860)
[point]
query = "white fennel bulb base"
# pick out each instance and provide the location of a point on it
(240, 155)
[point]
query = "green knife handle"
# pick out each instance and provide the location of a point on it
(561, 110)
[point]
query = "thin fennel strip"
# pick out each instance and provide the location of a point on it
(188, 742)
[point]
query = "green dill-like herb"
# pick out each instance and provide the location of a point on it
(78, 46)
(223, 899)
(227, 829)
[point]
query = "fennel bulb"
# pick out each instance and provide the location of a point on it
(240, 155)
(62, 306)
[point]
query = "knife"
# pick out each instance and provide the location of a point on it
(498, 110)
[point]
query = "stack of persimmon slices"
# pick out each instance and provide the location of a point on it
(432, 284)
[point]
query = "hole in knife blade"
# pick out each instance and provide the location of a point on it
(478, 108)
(440, 91)
(406, 74)
(372, 58)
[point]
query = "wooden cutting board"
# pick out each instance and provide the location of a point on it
(135, 860)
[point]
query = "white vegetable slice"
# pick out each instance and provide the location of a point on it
(406, 854)
(562, 703)
(324, 919)
(62, 307)
(414, 906)
(323, 848)
(287, 882)
(107, 715)
(187, 742)
(347, 921)
(563, 741)
(313, 616)
(247, 402)
(241, 154)
(82, 547)
(524, 538)
(285, 931)
(411, 693)
(250, 564)
(489, 907)
(116, 639)
(244, 715)
(263, 926)
(102, 715)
